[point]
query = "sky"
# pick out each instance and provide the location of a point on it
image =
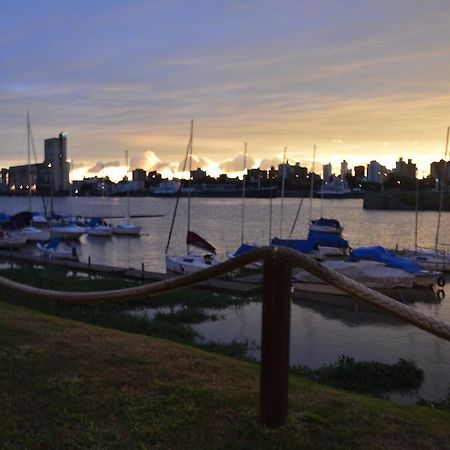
(361, 80)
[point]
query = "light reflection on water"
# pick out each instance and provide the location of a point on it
(320, 333)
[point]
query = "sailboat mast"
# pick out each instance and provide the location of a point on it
(283, 176)
(190, 181)
(29, 159)
(243, 192)
(128, 188)
(416, 228)
(442, 184)
(312, 184)
(179, 192)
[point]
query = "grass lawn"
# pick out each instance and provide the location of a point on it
(66, 384)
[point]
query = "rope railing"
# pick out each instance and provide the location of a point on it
(278, 262)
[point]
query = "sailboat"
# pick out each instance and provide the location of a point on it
(127, 228)
(431, 259)
(184, 264)
(245, 247)
(36, 230)
(325, 235)
(97, 225)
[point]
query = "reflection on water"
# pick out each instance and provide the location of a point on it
(320, 333)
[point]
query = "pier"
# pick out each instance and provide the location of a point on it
(241, 286)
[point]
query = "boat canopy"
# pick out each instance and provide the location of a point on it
(380, 254)
(53, 243)
(327, 239)
(301, 245)
(243, 248)
(4, 217)
(197, 241)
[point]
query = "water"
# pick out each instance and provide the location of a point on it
(320, 333)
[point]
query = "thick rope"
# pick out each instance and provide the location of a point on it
(296, 259)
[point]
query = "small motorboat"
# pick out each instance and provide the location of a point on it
(57, 248)
(127, 228)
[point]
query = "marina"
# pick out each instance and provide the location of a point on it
(321, 330)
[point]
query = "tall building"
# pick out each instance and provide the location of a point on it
(407, 170)
(326, 171)
(344, 169)
(4, 176)
(437, 170)
(55, 159)
(376, 173)
(360, 172)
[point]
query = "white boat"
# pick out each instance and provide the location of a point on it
(56, 248)
(35, 234)
(11, 239)
(126, 228)
(98, 227)
(394, 282)
(322, 225)
(67, 231)
(429, 259)
(188, 264)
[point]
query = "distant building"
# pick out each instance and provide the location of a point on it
(55, 159)
(154, 178)
(376, 173)
(360, 172)
(4, 176)
(254, 177)
(326, 171)
(198, 175)
(19, 177)
(407, 170)
(437, 170)
(139, 175)
(344, 169)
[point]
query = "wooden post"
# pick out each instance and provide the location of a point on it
(89, 267)
(276, 317)
(142, 272)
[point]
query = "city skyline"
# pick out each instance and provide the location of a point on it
(361, 80)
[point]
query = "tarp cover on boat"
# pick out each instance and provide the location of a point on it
(301, 245)
(380, 254)
(327, 239)
(19, 220)
(243, 248)
(197, 241)
(370, 273)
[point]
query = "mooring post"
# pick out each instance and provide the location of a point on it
(275, 335)
(89, 267)
(142, 271)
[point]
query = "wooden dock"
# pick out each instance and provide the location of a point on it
(239, 286)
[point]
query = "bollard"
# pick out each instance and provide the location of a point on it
(275, 335)
(89, 267)
(142, 271)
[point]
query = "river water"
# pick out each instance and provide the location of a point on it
(320, 333)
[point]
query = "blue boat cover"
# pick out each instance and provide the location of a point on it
(327, 239)
(301, 245)
(4, 217)
(52, 243)
(380, 254)
(243, 248)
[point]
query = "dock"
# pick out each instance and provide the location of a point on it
(238, 286)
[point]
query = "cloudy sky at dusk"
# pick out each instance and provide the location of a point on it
(361, 79)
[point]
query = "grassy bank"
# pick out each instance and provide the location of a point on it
(66, 384)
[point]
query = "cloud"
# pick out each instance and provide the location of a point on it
(236, 164)
(197, 162)
(99, 166)
(148, 161)
(267, 163)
